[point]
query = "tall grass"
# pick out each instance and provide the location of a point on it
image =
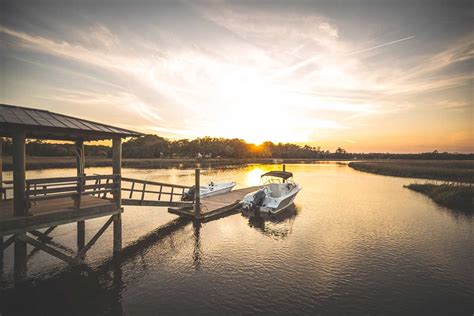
(452, 195)
(453, 170)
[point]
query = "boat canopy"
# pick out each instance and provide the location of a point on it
(279, 174)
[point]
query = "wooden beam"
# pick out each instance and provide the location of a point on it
(1, 168)
(197, 193)
(156, 203)
(117, 168)
(19, 201)
(117, 233)
(156, 183)
(19, 161)
(94, 239)
(28, 223)
(41, 236)
(20, 257)
(8, 242)
(117, 194)
(1, 255)
(80, 166)
(81, 235)
(49, 250)
(80, 172)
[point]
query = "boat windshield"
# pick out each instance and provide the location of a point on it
(277, 177)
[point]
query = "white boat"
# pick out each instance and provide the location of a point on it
(278, 192)
(210, 190)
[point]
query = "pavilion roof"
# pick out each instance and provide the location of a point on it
(43, 124)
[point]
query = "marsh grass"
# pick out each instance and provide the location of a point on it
(447, 170)
(452, 195)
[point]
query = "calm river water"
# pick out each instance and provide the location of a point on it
(355, 243)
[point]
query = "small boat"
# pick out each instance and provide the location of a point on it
(278, 192)
(210, 190)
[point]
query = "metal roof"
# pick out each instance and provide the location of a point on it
(48, 125)
(279, 174)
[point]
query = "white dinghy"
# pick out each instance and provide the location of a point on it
(278, 192)
(210, 190)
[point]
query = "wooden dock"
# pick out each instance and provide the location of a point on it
(48, 213)
(30, 205)
(215, 206)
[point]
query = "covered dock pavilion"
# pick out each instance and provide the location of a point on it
(45, 203)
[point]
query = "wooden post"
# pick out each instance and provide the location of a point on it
(80, 167)
(80, 157)
(1, 257)
(284, 169)
(117, 171)
(197, 195)
(19, 207)
(81, 235)
(1, 169)
(19, 166)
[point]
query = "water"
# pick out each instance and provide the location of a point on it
(355, 243)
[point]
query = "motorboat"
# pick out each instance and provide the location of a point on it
(278, 192)
(210, 190)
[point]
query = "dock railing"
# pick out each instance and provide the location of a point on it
(70, 187)
(145, 192)
(5, 186)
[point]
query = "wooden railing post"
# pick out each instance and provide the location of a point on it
(77, 200)
(131, 190)
(197, 195)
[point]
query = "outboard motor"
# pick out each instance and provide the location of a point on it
(258, 199)
(189, 195)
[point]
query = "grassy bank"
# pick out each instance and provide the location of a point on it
(448, 170)
(455, 196)
(38, 163)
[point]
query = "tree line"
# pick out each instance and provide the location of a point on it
(152, 146)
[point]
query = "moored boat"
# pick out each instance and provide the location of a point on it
(211, 189)
(278, 192)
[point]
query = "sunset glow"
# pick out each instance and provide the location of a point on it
(301, 74)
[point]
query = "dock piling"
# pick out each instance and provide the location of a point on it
(197, 191)
(117, 171)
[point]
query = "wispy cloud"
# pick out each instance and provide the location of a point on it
(298, 70)
(381, 45)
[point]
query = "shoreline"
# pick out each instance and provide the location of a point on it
(457, 194)
(442, 170)
(43, 163)
(454, 196)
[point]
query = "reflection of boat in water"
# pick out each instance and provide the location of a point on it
(277, 226)
(210, 190)
(278, 193)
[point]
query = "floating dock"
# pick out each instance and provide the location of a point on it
(215, 206)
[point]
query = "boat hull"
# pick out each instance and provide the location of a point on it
(216, 192)
(284, 204)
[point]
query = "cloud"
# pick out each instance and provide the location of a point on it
(381, 45)
(298, 70)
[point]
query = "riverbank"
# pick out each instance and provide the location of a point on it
(39, 163)
(455, 196)
(446, 170)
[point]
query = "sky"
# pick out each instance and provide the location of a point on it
(368, 76)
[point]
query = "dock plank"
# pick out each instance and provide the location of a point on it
(216, 206)
(53, 212)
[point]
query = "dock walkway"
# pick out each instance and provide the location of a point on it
(215, 206)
